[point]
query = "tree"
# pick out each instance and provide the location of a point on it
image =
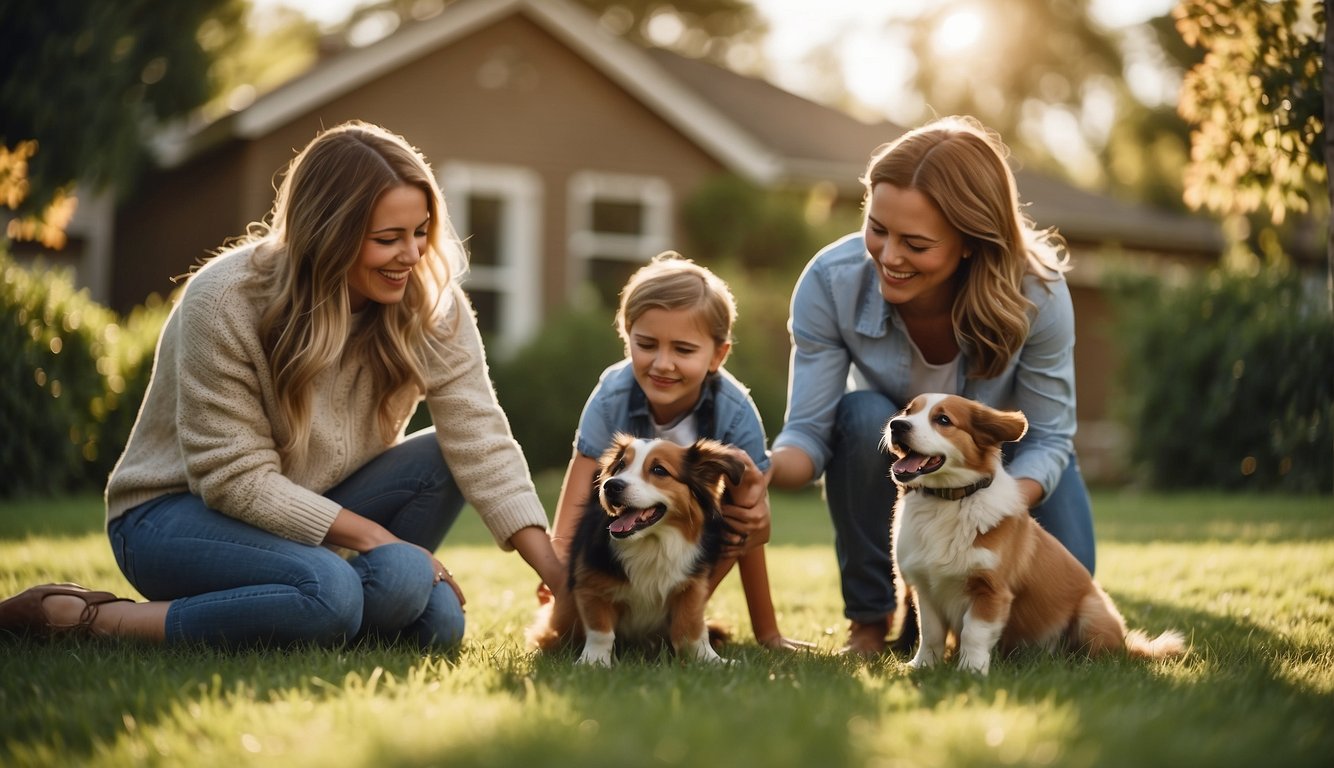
(80, 82)
(1015, 66)
(1255, 104)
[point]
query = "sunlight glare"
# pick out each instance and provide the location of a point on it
(957, 31)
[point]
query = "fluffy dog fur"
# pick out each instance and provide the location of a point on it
(981, 571)
(642, 554)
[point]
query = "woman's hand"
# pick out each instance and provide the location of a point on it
(443, 574)
(780, 643)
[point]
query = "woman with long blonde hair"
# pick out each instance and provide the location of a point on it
(949, 288)
(267, 494)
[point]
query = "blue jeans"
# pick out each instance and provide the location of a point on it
(234, 585)
(861, 498)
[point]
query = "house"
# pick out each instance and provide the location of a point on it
(564, 153)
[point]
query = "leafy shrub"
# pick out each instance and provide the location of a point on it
(1229, 382)
(730, 220)
(544, 386)
(760, 349)
(71, 382)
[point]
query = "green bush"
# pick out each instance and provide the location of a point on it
(1228, 382)
(543, 387)
(729, 220)
(70, 375)
(760, 348)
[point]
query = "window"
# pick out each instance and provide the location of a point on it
(617, 222)
(497, 213)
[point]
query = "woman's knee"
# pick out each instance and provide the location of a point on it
(860, 419)
(331, 610)
(443, 623)
(396, 583)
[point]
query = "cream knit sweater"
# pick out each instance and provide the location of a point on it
(206, 424)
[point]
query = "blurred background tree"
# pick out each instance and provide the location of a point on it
(82, 83)
(1257, 104)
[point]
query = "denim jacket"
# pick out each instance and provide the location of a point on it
(840, 323)
(725, 412)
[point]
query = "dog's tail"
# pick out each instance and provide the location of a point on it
(1168, 644)
(554, 626)
(719, 634)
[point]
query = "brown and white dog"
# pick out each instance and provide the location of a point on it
(642, 554)
(980, 569)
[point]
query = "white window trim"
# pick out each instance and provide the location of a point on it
(586, 187)
(517, 275)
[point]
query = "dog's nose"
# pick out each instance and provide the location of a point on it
(613, 489)
(898, 428)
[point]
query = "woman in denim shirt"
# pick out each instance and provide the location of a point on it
(947, 288)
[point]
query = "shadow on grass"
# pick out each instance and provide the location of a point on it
(79, 695)
(1232, 700)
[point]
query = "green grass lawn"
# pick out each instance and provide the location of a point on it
(1249, 580)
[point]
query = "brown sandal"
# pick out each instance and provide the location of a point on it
(23, 614)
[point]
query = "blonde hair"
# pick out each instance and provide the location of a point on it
(670, 281)
(961, 167)
(304, 251)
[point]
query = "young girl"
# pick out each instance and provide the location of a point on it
(272, 430)
(676, 321)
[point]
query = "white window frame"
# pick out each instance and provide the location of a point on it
(516, 277)
(653, 193)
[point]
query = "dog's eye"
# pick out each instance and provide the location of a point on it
(942, 420)
(616, 470)
(660, 470)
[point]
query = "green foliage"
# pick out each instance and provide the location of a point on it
(543, 387)
(1033, 56)
(1255, 102)
(71, 381)
(760, 340)
(1227, 382)
(84, 79)
(707, 28)
(729, 220)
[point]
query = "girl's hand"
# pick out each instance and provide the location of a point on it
(754, 485)
(748, 528)
(780, 643)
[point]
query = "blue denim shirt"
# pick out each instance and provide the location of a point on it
(725, 412)
(839, 321)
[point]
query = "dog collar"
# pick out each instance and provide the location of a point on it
(954, 494)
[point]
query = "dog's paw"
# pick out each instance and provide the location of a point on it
(978, 664)
(923, 660)
(594, 660)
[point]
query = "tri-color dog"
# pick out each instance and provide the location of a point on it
(980, 569)
(642, 554)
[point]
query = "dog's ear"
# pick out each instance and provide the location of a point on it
(713, 461)
(993, 427)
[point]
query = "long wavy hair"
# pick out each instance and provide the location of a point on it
(961, 167)
(303, 251)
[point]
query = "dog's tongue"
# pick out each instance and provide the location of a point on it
(910, 464)
(625, 522)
